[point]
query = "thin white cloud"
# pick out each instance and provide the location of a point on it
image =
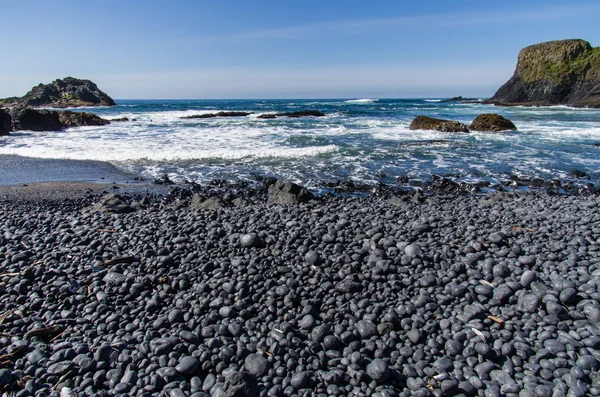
(435, 21)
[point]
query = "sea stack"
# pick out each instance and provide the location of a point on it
(563, 72)
(62, 93)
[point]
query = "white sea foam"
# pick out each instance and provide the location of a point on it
(362, 100)
(432, 100)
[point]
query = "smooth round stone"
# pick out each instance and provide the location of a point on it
(307, 322)
(496, 238)
(366, 329)
(378, 370)
(256, 364)
(5, 377)
(528, 277)
(413, 250)
(187, 365)
(312, 258)
(453, 347)
(568, 295)
(301, 380)
(588, 362)
(249, 240)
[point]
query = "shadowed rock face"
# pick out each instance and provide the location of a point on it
(61, 93)
(48, 120)
(564, 72)
(5, 122)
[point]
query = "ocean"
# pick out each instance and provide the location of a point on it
(365, 140)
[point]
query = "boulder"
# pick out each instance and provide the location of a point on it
(429, 123)
(287, 193)
(77, 119)
(120, 119)
(218, 114)
(62, 93)
(5, 122)
(51, 120)
(562, 72)
(301, 113)
(35, 119)
(491, 122)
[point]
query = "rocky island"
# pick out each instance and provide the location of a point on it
(62, 93)
(563, 72)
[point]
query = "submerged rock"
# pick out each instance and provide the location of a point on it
(62, 93)
(491, 122)
(430, 123)
(562, 72)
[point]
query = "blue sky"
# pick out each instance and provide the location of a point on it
(280, 49)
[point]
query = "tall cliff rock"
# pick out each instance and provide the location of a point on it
(563, 72)
(62, 93)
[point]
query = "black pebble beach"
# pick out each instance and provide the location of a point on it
(403, 295)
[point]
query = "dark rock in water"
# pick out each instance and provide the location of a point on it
(287, 193)
(35, 120)
(578, 174)
(5, 122)
(62, 93)
(120, 119)
(302, 113)
(430, 123)
(459, 99)
(562, 72)
(77, 119)
(240, 384)
(491, 122)
(50, 120)
(218, 114)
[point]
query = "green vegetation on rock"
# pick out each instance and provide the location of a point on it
(563, 72)
(558, 60)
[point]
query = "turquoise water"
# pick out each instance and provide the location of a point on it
(366, 140)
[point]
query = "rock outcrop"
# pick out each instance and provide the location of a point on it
(62, 93)
(430, 123)
(301, 113)
(564, 72)
(78, 119)
(35, 119)
(5, 123)
(49, 120)
(218, 114)
(491, 122)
